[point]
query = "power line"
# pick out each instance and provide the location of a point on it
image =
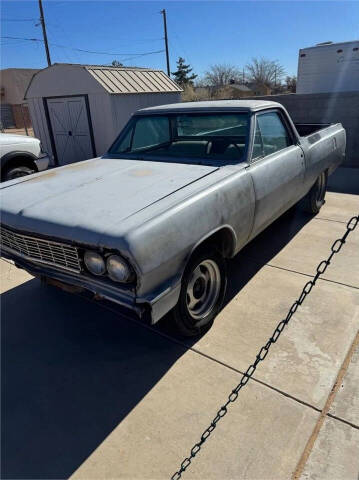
(19, 19)
(82, 50)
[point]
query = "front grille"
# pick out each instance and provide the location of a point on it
(40, 250)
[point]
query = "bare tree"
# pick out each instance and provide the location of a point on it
(222, 74)
(265, 72)
(291, 83)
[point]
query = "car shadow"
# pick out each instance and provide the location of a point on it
(71, 372)
(262, 249)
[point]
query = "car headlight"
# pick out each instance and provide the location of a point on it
(118, 269)
(94, 262)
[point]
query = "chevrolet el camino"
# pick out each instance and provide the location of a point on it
(151, 224)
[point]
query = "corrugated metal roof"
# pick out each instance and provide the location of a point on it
(132, 80)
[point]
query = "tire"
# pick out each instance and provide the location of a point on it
(16, 172)
(314, 199)
(202, 292)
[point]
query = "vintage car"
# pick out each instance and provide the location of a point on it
(151, 224)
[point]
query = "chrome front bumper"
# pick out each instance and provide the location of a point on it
(150, 309)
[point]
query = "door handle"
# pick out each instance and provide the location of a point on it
(70, 133)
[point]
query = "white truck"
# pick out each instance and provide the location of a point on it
(20, 155)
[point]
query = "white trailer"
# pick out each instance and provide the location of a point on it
(329, 67)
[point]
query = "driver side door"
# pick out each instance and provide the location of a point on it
(277, 168)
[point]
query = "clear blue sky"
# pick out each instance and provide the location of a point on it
(202, 32)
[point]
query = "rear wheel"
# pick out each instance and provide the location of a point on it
(314, 199)
(16, 172)
(202, 293)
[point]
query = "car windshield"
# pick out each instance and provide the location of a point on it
(201, 137)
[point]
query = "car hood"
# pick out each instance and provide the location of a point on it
(14, 139)
(82, 200)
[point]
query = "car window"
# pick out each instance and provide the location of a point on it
(211, 137)
(215, 125)
(151, 131)
(273, 133)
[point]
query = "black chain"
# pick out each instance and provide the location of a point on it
(263, 352)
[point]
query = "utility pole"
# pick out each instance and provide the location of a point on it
(42, 21)
(166, 41)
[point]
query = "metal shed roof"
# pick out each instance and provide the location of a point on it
(132, 80)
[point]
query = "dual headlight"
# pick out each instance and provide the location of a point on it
(115, 266)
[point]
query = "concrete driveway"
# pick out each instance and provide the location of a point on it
(92, 394)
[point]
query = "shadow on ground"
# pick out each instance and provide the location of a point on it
(72, 370)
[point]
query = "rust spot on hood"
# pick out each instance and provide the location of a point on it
(141, 172)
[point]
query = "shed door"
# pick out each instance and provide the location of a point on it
(70, 128)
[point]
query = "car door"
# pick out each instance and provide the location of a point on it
(277, 168)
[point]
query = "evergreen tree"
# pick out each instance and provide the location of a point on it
(182, 75)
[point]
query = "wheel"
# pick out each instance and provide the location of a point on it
(202, 292)
(314, 199)
(16, 172)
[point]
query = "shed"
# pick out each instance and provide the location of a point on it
(78, 110)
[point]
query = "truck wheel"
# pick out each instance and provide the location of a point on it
(314, 199)
(203, 288)
(16, 172)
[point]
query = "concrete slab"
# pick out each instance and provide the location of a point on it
(262, 435)
(339, 207)
(294, 245)
(335, 453)
(346, 402)
(10, 276)
(86, 387)
(306, 359)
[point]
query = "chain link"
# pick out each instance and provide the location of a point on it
(263, 352)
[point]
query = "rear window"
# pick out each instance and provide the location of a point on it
(217, 136)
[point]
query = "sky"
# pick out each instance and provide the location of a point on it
(204, 33)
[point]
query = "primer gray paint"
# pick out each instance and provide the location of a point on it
(155, 214)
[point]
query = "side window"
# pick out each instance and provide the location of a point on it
(274, 134)
(151, 131)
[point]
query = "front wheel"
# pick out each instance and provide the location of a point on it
(314, 199)
(202, 292)
(17, 172)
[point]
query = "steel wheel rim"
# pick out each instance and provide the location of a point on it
(203, 290)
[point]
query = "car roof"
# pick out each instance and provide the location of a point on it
(212, 106)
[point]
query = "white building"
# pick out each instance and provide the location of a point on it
(78, 110)
(329, 67)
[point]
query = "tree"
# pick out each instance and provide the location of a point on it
(116, 63)
(291, 83)
(222, 74)
(182, 74)
(265, 72)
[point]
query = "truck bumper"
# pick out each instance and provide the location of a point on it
(42, 162)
